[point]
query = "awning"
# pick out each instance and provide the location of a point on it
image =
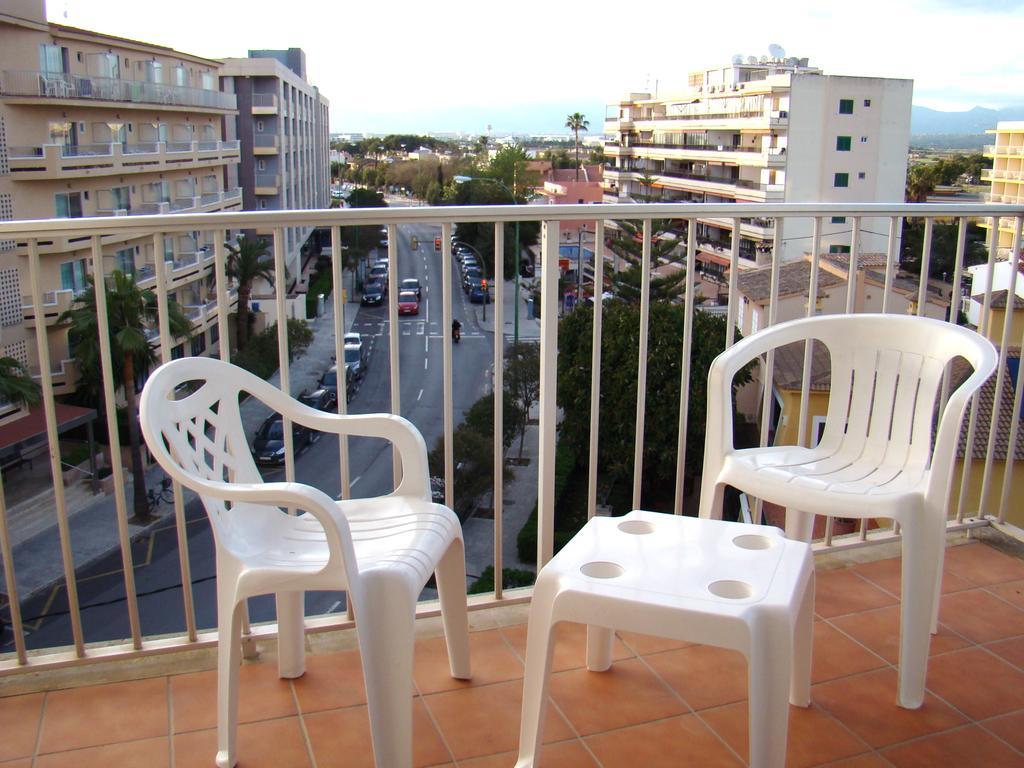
(32, 428)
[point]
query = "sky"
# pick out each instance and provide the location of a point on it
(456, 65)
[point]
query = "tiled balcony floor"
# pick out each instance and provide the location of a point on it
(663, 703)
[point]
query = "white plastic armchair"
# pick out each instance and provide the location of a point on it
(876, 456)
(381, 551)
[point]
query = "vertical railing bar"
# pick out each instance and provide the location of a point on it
(926, 262)
(955, 299)
(1001, 369)
(851, 273)
(768, 395)
(684, 365)
(890, 262)
(548, 392)
(449, 406)
(1011, 444)
(595, 368)
(972, 421)
(280, 288)
(220, 272)
(829, 527)
(339, 356)
(120, 503)
(732, 307)
(498, 495)
(812, 302)
(394, 338)
(180, 527)
(13, 600)
(641, 368)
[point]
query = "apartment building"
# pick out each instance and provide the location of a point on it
(1006, 176)
(764, 130)
(96, 125)
(285, 140)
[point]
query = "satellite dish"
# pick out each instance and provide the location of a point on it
(751, 59)
(776, 51)
(737, 58)
(793, 61)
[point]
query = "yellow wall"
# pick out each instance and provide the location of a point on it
(1015, 504)
(789, 423)
(994, 331)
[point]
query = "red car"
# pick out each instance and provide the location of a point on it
(408, 304)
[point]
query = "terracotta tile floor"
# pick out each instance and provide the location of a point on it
(662, 703)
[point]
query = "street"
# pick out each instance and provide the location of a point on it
(156, 555)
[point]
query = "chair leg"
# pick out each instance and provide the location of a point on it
(451, 590)
(229, 657)
(384, 626)
(599, 648)
(803, 642)
(799, 525)
(768, 674)
(539, 651)
(291, 635)
(711, 501)
(923, 539)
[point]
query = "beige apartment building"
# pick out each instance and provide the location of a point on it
(764, 130)
(95, 125)
(1006, 176)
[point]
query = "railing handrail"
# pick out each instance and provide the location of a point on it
(490, 213)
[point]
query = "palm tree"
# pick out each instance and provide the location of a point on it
(248, 258)
(130, 310)
(16, 385)
(576, 123)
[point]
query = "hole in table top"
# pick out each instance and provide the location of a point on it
(752, 541)
(731, 590)
(637, 527)
(601, 569)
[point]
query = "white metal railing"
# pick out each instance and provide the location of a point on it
(973, 509)
(72, 86)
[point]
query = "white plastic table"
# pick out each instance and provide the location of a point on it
(731, 585)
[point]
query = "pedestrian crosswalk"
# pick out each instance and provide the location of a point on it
(410, 328)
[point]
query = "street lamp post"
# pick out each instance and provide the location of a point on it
(512, 194)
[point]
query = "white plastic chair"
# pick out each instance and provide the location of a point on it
(876, 456)
(381, 551)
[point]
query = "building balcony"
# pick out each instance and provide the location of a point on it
(54, 161)
(43, 87)
(264, 104)
(267, 184)
(1003, 150)
(89, 645)
(265, 144)
(55, 303)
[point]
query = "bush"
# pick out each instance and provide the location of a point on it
(565, 522)
(260, 355)
(322, 281)
(510, 578)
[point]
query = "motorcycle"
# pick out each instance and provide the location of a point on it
(456, 333)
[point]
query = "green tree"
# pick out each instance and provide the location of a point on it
(628, 244)
(943, 253)
(522, 384)
(16, 385)
(130, 311)
(249, 258)
(577, 122)
(921, 182)
(620, 341)
(357, 241)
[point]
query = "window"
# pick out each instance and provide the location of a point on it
(846, 106)
(72, 275)
(180, 75)
(259, 126)
(839, 249)
(862, 175)
(843, 143)
(198, 344)
(67, 205)
(214, 333)
(838, 219)
(52, 59)
(178, 352)
(263, 204)
(867, 102)
(841, 180)
(863, 139)
(261, 165)
(126, 260)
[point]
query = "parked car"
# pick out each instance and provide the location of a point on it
(477, 294)
(352, 337)
(355, 359)
(373, 292)
(411, 284)
(379, 272)
(473, 282)
(321, 399)
(408, 304)
(329, 381)
(469, 276)
(470, 262)
(268, 443)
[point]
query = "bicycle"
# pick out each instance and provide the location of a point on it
(165, 495)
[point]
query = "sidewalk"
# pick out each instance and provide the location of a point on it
(529, 328)
(93, 528)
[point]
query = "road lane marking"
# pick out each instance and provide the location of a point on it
(419, 396)
(360, 477)
(426, 343)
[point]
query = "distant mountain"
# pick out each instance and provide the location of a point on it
(931, 122)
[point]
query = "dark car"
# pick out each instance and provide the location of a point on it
(321, 399)
(373, 292)
(477, 294)
(470, 262)
(411, 284)
(329, 381)
(470, 276)
(268, 443)
(473, 283)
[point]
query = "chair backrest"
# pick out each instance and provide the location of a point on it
(886, 378)
(190, 417)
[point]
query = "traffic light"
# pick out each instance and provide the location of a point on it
(437, 244)
(483, 283)
(415, 243)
